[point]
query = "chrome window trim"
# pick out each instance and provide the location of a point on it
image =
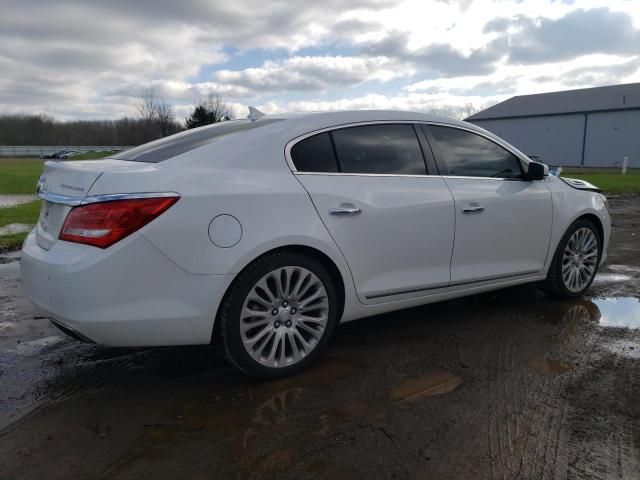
(349, 174)
(294, 170)
(75, 201)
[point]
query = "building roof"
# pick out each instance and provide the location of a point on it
(613, 97)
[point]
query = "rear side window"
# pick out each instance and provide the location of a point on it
(383, 149)
(314, 154)
(470, 155)
(168, 147)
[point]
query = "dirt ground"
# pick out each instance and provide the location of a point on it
(498, 386)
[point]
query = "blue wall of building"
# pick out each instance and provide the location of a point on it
(558, 139)
(611, 136)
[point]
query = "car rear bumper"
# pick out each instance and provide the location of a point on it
(127, 295)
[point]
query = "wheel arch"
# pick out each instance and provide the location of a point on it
(596, 222)
(588, 215)
(309, 251)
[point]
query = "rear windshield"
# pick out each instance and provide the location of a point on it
(169, 147)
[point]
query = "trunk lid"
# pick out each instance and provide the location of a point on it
(64, 185)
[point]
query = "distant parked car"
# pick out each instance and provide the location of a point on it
(60, 155)
(260, 235)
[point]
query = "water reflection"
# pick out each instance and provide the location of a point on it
(622, 312)
(13, 200)
(15, 228)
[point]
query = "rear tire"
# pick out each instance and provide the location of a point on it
(575, 261)
(278, 315)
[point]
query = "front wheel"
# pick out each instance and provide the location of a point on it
(278, 315)
(576, 260)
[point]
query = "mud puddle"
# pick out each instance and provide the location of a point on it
(546, 366)
(606, 278)
(9, 257)
(427, 386)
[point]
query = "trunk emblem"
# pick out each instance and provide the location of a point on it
(71, 187)
(41, 187)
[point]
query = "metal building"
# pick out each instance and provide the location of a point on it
(590, 127)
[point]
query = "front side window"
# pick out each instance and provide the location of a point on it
(470, 155)
(382, 149)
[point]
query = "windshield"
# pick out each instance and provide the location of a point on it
(169, 147)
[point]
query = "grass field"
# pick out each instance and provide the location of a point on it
(609, 180)
(19, 176)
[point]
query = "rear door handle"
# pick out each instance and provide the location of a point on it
(345, 211)
(473, 209)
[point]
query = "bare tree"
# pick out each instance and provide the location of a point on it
(469, 109)
(218, 109)
(157, 115)
(166, 118)
(458, 112)
(147, 105)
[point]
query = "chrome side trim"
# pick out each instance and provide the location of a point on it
(462, 177)
(127, 196)
(75, 201)
(329, 174)
(61, 199)
(390, 293)
(291, 143)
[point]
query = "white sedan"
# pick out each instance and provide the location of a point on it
(260, 235)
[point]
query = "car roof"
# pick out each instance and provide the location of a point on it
(292, 125)
(319, 120)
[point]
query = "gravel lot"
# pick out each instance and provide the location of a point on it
(504, 385)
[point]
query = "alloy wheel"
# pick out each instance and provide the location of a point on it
(284, 316)
(579, 259)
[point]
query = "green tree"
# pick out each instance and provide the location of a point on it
(210, 109)
(200, 117)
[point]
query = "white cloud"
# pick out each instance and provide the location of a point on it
(314, 74)
(90, 59)
(594, 70)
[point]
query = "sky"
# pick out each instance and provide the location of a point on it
(93, 59)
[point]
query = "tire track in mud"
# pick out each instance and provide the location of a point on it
(611, 449)
(523, 415)
(84, 376)
(467, 435)
(549, 401)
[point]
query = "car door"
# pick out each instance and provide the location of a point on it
(503, 220)
(393, 222)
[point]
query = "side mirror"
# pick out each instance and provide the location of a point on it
(536, 171)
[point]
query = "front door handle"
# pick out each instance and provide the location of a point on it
(473, 208)
(345, 211)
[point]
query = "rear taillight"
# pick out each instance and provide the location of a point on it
(102, 224)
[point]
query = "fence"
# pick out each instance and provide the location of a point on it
(38, 150)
